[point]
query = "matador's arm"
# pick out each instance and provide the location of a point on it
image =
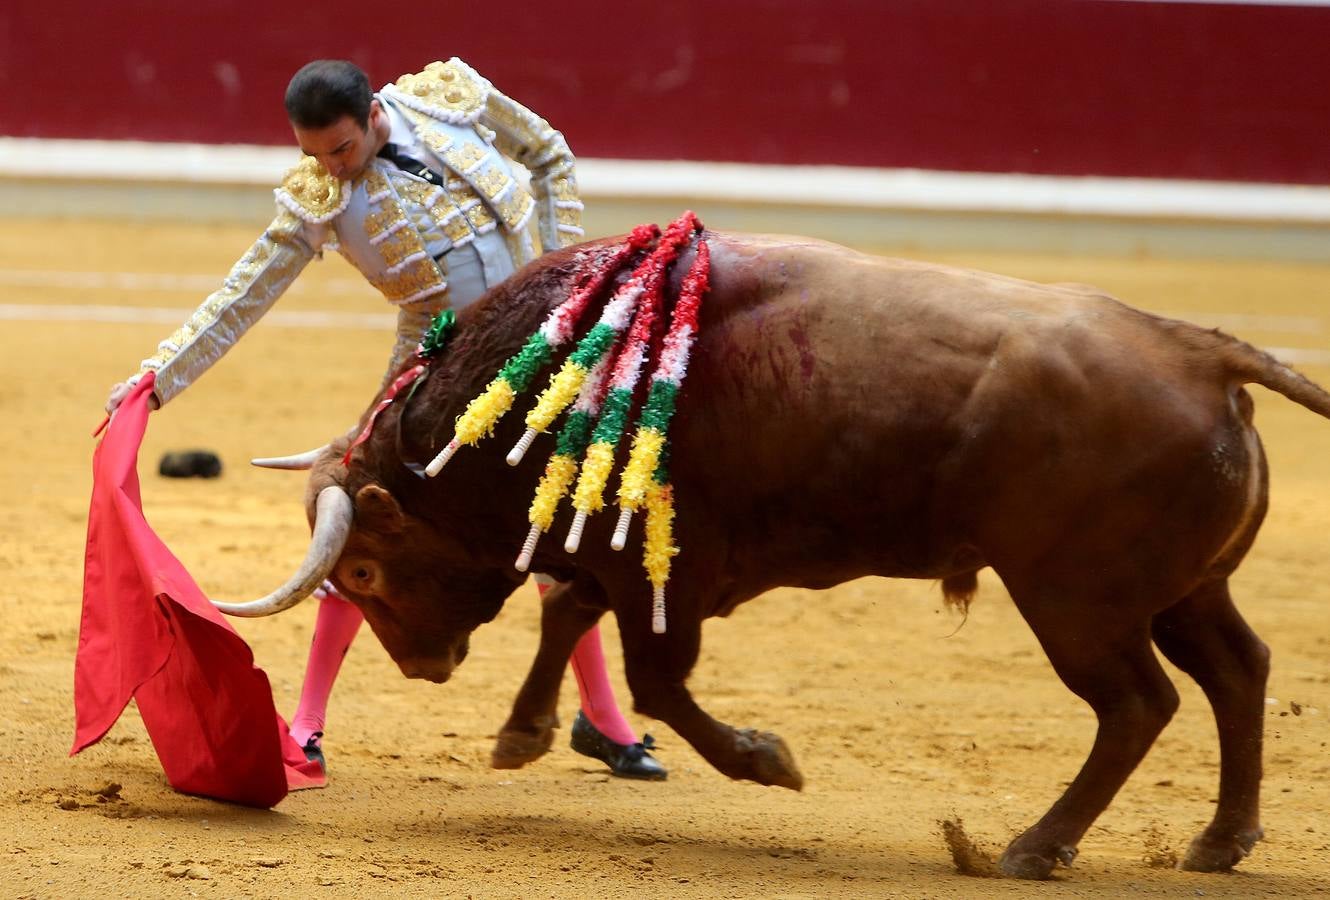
(252, 287)
(525, 137)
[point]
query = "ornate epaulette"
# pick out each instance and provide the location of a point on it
(311, 193)
(451, 91)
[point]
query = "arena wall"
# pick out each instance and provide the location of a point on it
(1216, 91)
(1117, 125)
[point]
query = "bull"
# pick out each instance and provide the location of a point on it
(848, 415)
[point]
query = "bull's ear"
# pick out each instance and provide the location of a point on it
(378, 511)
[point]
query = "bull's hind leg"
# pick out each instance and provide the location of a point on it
(1204, 636)
(1103, 654)
(529, 731)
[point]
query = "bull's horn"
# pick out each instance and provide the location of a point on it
(304, 460)
(332, 526)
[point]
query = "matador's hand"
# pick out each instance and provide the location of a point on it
(120, 392)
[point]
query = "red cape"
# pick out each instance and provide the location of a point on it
(149, 633)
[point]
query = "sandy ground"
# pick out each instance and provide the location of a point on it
(899, 719)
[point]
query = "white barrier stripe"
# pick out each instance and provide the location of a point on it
(850, 187)
(48, 312)
(149, 281)
(203, 284)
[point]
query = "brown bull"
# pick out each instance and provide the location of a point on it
(844, 416)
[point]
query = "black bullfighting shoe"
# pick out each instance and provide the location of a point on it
(624, 760)
(314, 751)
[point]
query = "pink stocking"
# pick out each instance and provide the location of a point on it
(593, 684)
(334, 630)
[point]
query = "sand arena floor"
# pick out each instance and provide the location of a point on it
(898, 719)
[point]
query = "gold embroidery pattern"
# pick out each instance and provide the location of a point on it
(442, 208)
(399, 245)
(462, 192)
(379, 221)
(560, 196)
(411, 273)
(413, 281)
(493, 181)
(450, 90)
(285, 226)
(386, 215)
(515, 209)
(480, 219)
(564, 188)
(527, 138)
(376, 185)
(419, 192)
(534, 135)
(436, 141)
(484, 176)
(456, 227)
(462, 158)
(311, 193)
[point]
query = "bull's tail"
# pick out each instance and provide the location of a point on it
(1252, 365)
(1247, 364)
(959, 589)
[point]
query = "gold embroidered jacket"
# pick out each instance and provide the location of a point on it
(394, 227)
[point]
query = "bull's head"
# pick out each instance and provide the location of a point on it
(421, 590)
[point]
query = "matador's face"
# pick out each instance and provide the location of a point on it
(344, 148)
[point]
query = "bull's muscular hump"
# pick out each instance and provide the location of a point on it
(846, 415)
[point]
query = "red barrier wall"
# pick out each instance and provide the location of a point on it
(1180, 90)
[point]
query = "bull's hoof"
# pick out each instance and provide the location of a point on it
(514, 748)
(769, 760)
(1211, 853)
(1034, 865)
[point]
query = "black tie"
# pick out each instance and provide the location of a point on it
(393, 154)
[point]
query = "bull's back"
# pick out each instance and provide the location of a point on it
(801, 335)
(836, 394)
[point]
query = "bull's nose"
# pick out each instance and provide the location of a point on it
(429, 670)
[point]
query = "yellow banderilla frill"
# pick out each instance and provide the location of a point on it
(638, 477)
(483, 412)
(562, 391)
(659, 534)
(559, 474)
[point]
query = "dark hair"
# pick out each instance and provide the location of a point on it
(324, 91)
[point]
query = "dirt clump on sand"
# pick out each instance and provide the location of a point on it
(1159, 853)
(969, 858)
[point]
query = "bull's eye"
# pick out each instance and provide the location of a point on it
(361, 574)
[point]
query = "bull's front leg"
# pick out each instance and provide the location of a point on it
(657, 666)
(529, 731)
